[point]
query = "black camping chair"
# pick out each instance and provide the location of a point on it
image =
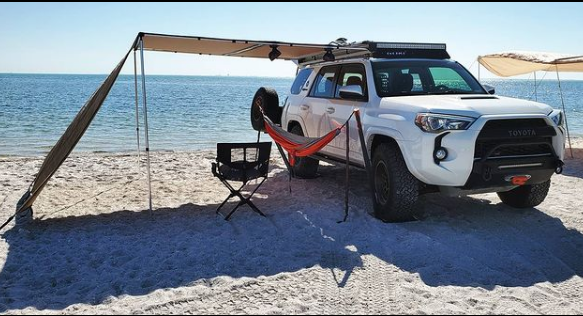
(241, 162)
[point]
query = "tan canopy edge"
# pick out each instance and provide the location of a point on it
(71, 137)
(235, 47)
(518, 63)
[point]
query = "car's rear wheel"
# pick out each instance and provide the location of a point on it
(305, 167)
(526, 196)
(396, 189)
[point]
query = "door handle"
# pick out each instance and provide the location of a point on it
(330, 110)
(304, 107)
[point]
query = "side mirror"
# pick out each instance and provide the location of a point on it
(351, 92)
(489, 89)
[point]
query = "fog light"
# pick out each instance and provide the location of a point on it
(441, 154)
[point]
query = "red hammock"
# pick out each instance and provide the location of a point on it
(298, 146)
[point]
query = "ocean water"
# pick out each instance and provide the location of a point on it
(184, 112)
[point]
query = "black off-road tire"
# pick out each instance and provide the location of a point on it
(526, 196)
(266, 98)
(396, 189)
(305, 167)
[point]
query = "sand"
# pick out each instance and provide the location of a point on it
(94, 247)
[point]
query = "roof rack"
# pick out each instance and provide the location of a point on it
(383, 50)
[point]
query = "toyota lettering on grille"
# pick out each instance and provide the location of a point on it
(522, 132)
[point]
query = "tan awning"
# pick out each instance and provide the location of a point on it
(236, 47)
(165, 43)
(518, 63)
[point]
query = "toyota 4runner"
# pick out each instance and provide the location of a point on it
(429, 126)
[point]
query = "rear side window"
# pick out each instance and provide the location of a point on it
(323, 86)
(300, 81)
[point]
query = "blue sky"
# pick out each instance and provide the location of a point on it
(92, 37)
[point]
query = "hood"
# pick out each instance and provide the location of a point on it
(468, 105)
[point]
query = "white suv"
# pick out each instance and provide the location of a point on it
(429, 126)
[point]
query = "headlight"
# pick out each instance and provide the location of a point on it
(557, 117)
(434, 123)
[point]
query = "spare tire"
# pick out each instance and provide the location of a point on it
(267, 99)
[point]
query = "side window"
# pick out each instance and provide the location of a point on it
(352, 75)
(301, 79)
(323, 86)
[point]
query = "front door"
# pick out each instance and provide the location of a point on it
(349, 75)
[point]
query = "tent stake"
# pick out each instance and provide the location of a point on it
(137, 106)
(564, 112)
(146, 124)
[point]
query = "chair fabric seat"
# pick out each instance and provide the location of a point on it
(235, 174)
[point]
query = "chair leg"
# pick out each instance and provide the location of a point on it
(224, 202)
(254, 208)
(228, 217)
(243, 200)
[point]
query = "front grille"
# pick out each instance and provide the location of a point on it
(515, 124)
(512, 147)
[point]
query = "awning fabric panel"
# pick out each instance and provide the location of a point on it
(72, 135)
(518, 63)
(233, 47)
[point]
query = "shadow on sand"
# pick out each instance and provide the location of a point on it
(574, 166)
(466, 242)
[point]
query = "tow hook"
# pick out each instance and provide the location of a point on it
(559, 168)
(518, 179)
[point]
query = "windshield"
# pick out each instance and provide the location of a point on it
(423, 77)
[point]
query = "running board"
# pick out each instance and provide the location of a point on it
(334, 161)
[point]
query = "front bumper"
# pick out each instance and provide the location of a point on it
(498, 173)
(464, 168)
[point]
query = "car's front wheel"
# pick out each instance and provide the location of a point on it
(526, 196)
(396, 189)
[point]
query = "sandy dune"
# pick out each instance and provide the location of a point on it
(95, 249)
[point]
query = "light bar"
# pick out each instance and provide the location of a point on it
(410, 46)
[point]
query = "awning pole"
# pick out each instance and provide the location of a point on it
(146, 124)
(479, 80)
(137, 106)
(564, 112)
(535, 83)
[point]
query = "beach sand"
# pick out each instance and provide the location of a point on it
(94, 247)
